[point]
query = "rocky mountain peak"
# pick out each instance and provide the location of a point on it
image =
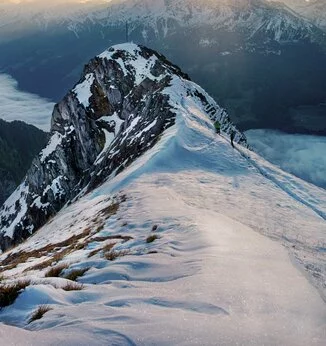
(125, 99)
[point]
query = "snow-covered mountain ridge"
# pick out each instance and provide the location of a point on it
(161, 17)
(124, 101)
(195, 242)
(313, 10)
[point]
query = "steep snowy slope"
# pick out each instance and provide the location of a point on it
(183, 247)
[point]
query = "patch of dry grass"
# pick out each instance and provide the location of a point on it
(73, 286)
(151, 238)
(55, 272)
(74, 274)
(108, 247)
(125, 238)
(105, 248)
(110, 210)
(39, 313)
(113, 207)
(100, 228)
(12, 260)
(40, 266)
(57, 251)
(10, 292)
(79, 246)
(67, 246)
(94, 252)
(113, 255)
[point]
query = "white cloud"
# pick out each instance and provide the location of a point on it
(19, 105)
(301, 155)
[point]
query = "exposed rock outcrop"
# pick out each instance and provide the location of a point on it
(125, 99)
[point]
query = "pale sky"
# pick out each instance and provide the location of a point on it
(50, 2)
(43, 4)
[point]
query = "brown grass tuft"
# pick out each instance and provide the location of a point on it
(152, 238)
(39, 313)
(55, 272)
(100, 228)
(79, 246)
(74, 274)
(110, 210)
(73, 286)
(10, 292)
(125, 238)
(94, 252)
(108, 247)
(113, 255)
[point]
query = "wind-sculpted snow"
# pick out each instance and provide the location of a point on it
(215, 272)
(125, 99)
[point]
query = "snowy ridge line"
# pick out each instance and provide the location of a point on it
(210, 276)
(314, 11)
(282, 24)
(278, 21)
(126, 98)
(281, 185)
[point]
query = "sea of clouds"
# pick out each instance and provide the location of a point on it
(301, 155)
(19, 105)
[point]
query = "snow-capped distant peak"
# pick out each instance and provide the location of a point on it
(247, 17)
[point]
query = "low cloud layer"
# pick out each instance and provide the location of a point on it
(301, 155)
(19, 105)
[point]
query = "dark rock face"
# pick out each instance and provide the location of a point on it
(19, 143)
(115, 113)
(7, 184)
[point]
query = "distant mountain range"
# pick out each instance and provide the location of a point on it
(314, 10)
(260, 60)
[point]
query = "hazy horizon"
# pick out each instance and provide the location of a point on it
(41, 2)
